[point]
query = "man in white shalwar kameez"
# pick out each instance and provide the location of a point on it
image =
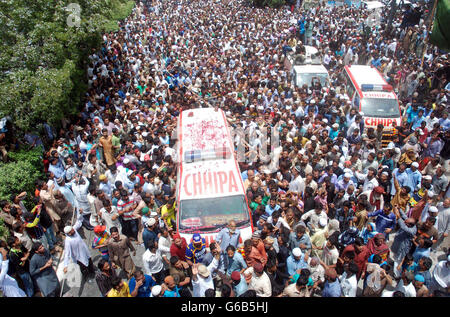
(76, 249)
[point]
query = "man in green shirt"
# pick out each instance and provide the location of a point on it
(115, 140)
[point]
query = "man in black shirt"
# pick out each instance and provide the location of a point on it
(20, 264)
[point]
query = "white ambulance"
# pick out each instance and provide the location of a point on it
(210, 191)
(371, 95)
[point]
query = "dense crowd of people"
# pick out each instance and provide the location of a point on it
(346, 214)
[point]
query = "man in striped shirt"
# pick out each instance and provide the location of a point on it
(126, 207)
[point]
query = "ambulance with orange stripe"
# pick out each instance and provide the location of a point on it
(210, 191)
(372, 95)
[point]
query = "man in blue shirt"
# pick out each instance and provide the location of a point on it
(149, 234)
(433, 145)
(412, 111)
(299, 239)
(402, 177)
(56, 169)
(296, 261)
(228, 236)
(196, 250)
(141, 284)
(385, 219)
(414, 177)
(234, 261)
(328, 173)
(332, 287)
(238, 283)
(272, 206)
(417, 120)
(444, 122)
(170, 288)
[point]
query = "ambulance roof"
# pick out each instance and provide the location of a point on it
(314, 69)
(203, 129)
(364, 74)
(204, 172)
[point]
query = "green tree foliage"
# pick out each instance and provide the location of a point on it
(19, 174)
(4, 232)
(43, 60)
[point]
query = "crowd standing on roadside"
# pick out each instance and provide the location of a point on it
(344, 215)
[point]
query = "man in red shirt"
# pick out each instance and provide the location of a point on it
(361, 254)
(178, 247)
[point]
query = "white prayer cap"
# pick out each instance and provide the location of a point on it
(297, 252)
(67, 229)
(415, 164)
(156, 290)
(347, 175)
(151, 222)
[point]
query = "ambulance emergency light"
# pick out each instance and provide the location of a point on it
(370, 87)
(205, 155)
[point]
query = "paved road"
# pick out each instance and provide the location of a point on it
(86, 288)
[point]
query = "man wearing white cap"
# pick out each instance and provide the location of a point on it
(156, 291)
(296, 261)
(429, 211)
(334, 131)
(344, 182)
(77, 250)
(297, 185)
(441, 276)
(414, 177)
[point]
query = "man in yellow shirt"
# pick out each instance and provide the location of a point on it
(119, 288)
(168, 213)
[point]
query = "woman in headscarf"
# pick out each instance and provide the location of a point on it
(377, 245)
(376, 198)
(333, 227)
(369, 232)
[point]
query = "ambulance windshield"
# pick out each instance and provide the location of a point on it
(380, 108)
(213, 213)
